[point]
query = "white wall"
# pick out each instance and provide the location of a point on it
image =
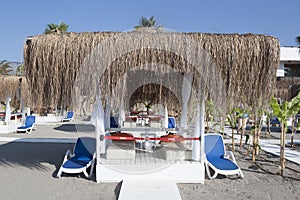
(287, 54)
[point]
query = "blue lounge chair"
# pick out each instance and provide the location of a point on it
(114, 122)
(217, 159)
(82, 157)
(171, 122)
(69, 117)
(28, 126)
(275, 121)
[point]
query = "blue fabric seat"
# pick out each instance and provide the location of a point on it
(28, 126)
(114, 122)
(81, 159)
(217, 159)
(171, 122)
(69, 117)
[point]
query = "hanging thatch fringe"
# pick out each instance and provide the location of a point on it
(9, 87)
(247, 64)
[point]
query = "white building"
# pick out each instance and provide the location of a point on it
(289, 62)
(288, 73)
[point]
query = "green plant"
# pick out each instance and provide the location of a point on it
(5, 68)
(144, 22)
(56, 28)
(282, 112)
(209, 113)
(242, 115)
(231, 119)
(147, 105)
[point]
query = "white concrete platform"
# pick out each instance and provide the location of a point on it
(177, 170)
(10, 128)
(149, 189)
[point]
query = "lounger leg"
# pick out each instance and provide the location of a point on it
(207, 171)
(29, 130)
(85, 173)
(92, 168)
(215, 175)
(241, 174)
(59, 173)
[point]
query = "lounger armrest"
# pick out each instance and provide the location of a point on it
(67, 155)
(230, 156)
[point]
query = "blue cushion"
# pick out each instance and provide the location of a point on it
(73, 163)
(222, 163)
(69, 115)
(214, 146)
(81, 151)
(29, 121)
(114, 122)
(171, 122)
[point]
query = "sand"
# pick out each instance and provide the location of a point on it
(28, 172)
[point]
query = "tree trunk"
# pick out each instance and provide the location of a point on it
(208, 122)
(282, 148)
(232, 136)
(258, 129)
(254, 142)
(242, 130)
(254, 145)
(269, 126)
(293, 131)
(222, 126)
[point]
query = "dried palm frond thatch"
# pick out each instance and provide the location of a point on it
(287, 87)
(247, 63)
(9, 87)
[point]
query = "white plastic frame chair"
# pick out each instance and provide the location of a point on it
(80, 159)
(217, 159)
(69, 117)
(28, 126)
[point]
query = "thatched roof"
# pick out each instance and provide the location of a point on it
(247, 63)
(287, 87)
(9, 87)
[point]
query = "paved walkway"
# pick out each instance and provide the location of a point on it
(272, 146)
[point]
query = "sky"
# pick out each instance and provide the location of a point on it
(22, 18)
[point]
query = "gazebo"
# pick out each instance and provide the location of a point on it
(168, 71)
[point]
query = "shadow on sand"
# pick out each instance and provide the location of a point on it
(32, 155)
(75, 128)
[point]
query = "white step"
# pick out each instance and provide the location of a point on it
(149, 189)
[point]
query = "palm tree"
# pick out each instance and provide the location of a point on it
(55, 28)
(284, 111)
(144, 22)
(5, 68)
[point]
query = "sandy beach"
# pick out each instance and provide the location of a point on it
(28, 171)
